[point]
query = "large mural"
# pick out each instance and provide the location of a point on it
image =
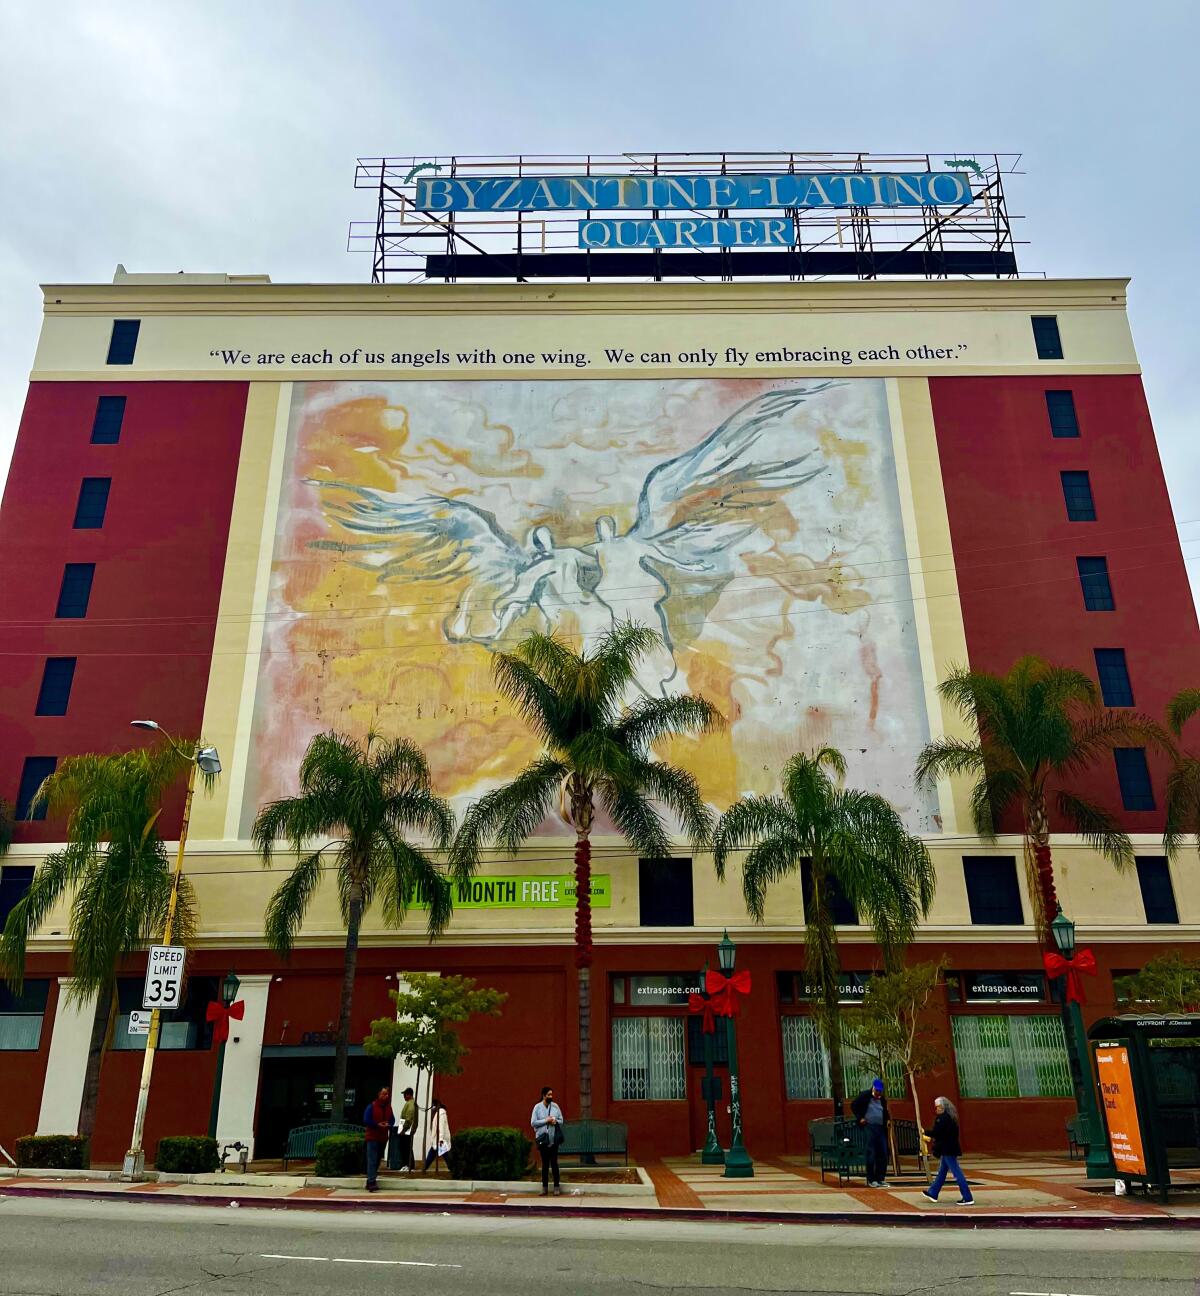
(755, 524)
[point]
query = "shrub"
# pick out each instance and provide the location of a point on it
(490, 1153)
(53, 1152)
(187, 1154)
(340, 1156)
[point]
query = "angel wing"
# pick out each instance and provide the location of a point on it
(705, 499)
(433, 538)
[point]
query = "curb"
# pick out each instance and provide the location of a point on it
(879, 1219)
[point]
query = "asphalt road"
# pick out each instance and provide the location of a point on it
(62, 1247)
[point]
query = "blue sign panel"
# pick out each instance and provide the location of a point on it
(744, 231)
(690, 192)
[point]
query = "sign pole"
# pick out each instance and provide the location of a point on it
(712, 1153)
(135, 1159)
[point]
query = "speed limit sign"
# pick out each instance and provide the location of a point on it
(164, 977)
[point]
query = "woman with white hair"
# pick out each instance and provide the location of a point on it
(944, 1143)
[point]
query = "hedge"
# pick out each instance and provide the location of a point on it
(499, 1152)
(187, 1154)
(53, 1152)
(340, 1156)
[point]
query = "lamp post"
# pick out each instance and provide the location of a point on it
(229, 989)
(1099, 1165)
(738, 1164)
(712, 1153)
(206, 760)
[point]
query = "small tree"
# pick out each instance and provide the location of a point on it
(422, 1032)
(1169, 984)
(893, 1026)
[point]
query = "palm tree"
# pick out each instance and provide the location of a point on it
(595, 750)
(1037, 726)
(853, 838)
(363, 798)
(117, 869)
(1183, 782)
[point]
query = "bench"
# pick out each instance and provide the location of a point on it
(302, 1141)
(820, 1137)
(906, 1140)
(848, 1152)
(1076, 1137)
(587, 1138)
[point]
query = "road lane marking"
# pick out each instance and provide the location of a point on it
(1022, 1293)
(408, 1264)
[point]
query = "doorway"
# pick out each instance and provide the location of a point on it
(296, 1090)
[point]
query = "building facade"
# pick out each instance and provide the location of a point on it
(256, 511)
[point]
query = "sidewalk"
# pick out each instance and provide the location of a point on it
(1010, 1191)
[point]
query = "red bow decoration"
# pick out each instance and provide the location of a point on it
(726, 993)
(1056, 966)
(217, 1012)
(700, 1004)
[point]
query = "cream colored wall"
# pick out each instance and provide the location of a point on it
(182, 323)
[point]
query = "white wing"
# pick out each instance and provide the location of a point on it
(706, 499)
(433, 538)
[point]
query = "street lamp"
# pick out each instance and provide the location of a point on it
(209, 764)
(229, 989)
(1099, 1165)
(738, 1164)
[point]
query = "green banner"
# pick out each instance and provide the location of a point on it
(526, 891)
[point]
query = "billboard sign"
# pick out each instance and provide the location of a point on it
(1120, 1109)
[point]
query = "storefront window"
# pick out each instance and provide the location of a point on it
(806, 1061)
(21, 1016)
(647, 1058)
(184, 1029)
(1011, 1057)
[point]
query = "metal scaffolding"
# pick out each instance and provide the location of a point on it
(408, 244)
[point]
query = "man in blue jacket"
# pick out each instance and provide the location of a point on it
(870, 1109)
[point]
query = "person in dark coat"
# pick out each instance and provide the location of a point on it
(378, 1123)
(945, 1143)
(871, 1110)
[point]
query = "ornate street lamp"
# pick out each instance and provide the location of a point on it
(1099, 1164)
(229, 988)
(738, 1164)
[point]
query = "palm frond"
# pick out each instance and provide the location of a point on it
(653, 719)
(289, 904)
(1181, 708)
(948, 758)
(769, 860)
(537, 702)
(508, 814)
(409, 873)
(680, 792)
(635, 818)
(1097, 827)
(750, 820)
(1182, 804)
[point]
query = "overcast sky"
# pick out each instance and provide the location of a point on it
(222, 136)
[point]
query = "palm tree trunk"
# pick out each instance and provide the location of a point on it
(822, 967)
(97, 1047)
(354, 909)
(582, 811)
(1039, 866)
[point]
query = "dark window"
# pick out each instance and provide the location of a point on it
(1113, 675)
(665, 892)
(106, 426)
(695, 1042)
(1060, 405)
(1158, 896)
(992, 890)
(76, 590)
(14, 882)
(55, 692)
(1046, 338)
(35, 770)
(844, 913)
(93, 503)
(123, 342)
(186, 1028)
(1077, 495)
(1097, 590)
(21, 1014)
(1133, 774)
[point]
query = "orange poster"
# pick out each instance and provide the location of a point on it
(1120, 1109)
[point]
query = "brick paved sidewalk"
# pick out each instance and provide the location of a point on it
(1014, 1187)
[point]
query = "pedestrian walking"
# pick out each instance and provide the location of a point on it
(871, 1110)
(439, 1134)
(945, 1142)
(378, 1123)
(407, 1132)
(547, 1122)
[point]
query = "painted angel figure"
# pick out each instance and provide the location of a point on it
(692, 513)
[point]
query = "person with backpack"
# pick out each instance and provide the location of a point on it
(547, 1122)
(944, 1142)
